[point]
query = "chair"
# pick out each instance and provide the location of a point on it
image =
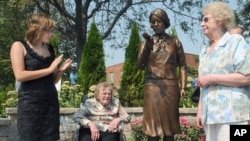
(122, 136)
(76, 136)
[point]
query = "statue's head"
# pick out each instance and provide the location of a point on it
(162, 15)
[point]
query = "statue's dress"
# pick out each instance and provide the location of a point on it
(161, 90)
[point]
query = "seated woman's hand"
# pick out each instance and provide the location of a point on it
(114, 124)
(95, 135)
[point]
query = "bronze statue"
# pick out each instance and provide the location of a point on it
(160, 55)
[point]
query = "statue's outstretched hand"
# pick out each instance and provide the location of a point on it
(149, 41)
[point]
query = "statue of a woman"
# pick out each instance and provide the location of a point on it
(160, 55)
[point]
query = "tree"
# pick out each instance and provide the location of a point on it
(243, 14)
(13, 16)
(12, 23)
(92, 67)
(113, 18)
(74, 16)
(132, 82)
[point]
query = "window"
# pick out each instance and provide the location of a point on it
(111, 76)
(121, 72)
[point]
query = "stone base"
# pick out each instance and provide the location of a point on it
(8, 130)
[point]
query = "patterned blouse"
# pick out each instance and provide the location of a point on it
(94, 111)
(223, 104)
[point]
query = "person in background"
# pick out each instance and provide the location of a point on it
(101, 116)
(37, 68)
(237, 30)
(194, 82)
(160, 55)
(73, 75)
(223, 75)
(17, 85)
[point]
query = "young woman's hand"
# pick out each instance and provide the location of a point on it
(54, 65)
(65, 65)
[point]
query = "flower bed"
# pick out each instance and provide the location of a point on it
(190, 132)
(136, 130)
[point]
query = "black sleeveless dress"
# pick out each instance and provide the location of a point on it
(38, 106)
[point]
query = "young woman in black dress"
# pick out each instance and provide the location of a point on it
(36, 66)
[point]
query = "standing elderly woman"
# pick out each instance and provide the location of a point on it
(161, 55)
(223, 69)
(101, 116)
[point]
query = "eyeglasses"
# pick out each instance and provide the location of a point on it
(106, 93)
(205, 19)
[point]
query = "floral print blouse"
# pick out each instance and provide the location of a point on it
(224, 104)
(94, 111)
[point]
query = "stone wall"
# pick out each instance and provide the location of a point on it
(8, 131)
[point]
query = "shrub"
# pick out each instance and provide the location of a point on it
(70, 96)
(186, 102)
(11, 101)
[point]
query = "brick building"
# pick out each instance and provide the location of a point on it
(192, 60)
(114, 72)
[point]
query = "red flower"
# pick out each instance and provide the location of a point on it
(184, 121)
(135, 122)
(202, 137)
(183, 135)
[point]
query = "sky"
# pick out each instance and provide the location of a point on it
(116, 56)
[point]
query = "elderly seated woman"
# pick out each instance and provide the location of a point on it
(101, 116)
